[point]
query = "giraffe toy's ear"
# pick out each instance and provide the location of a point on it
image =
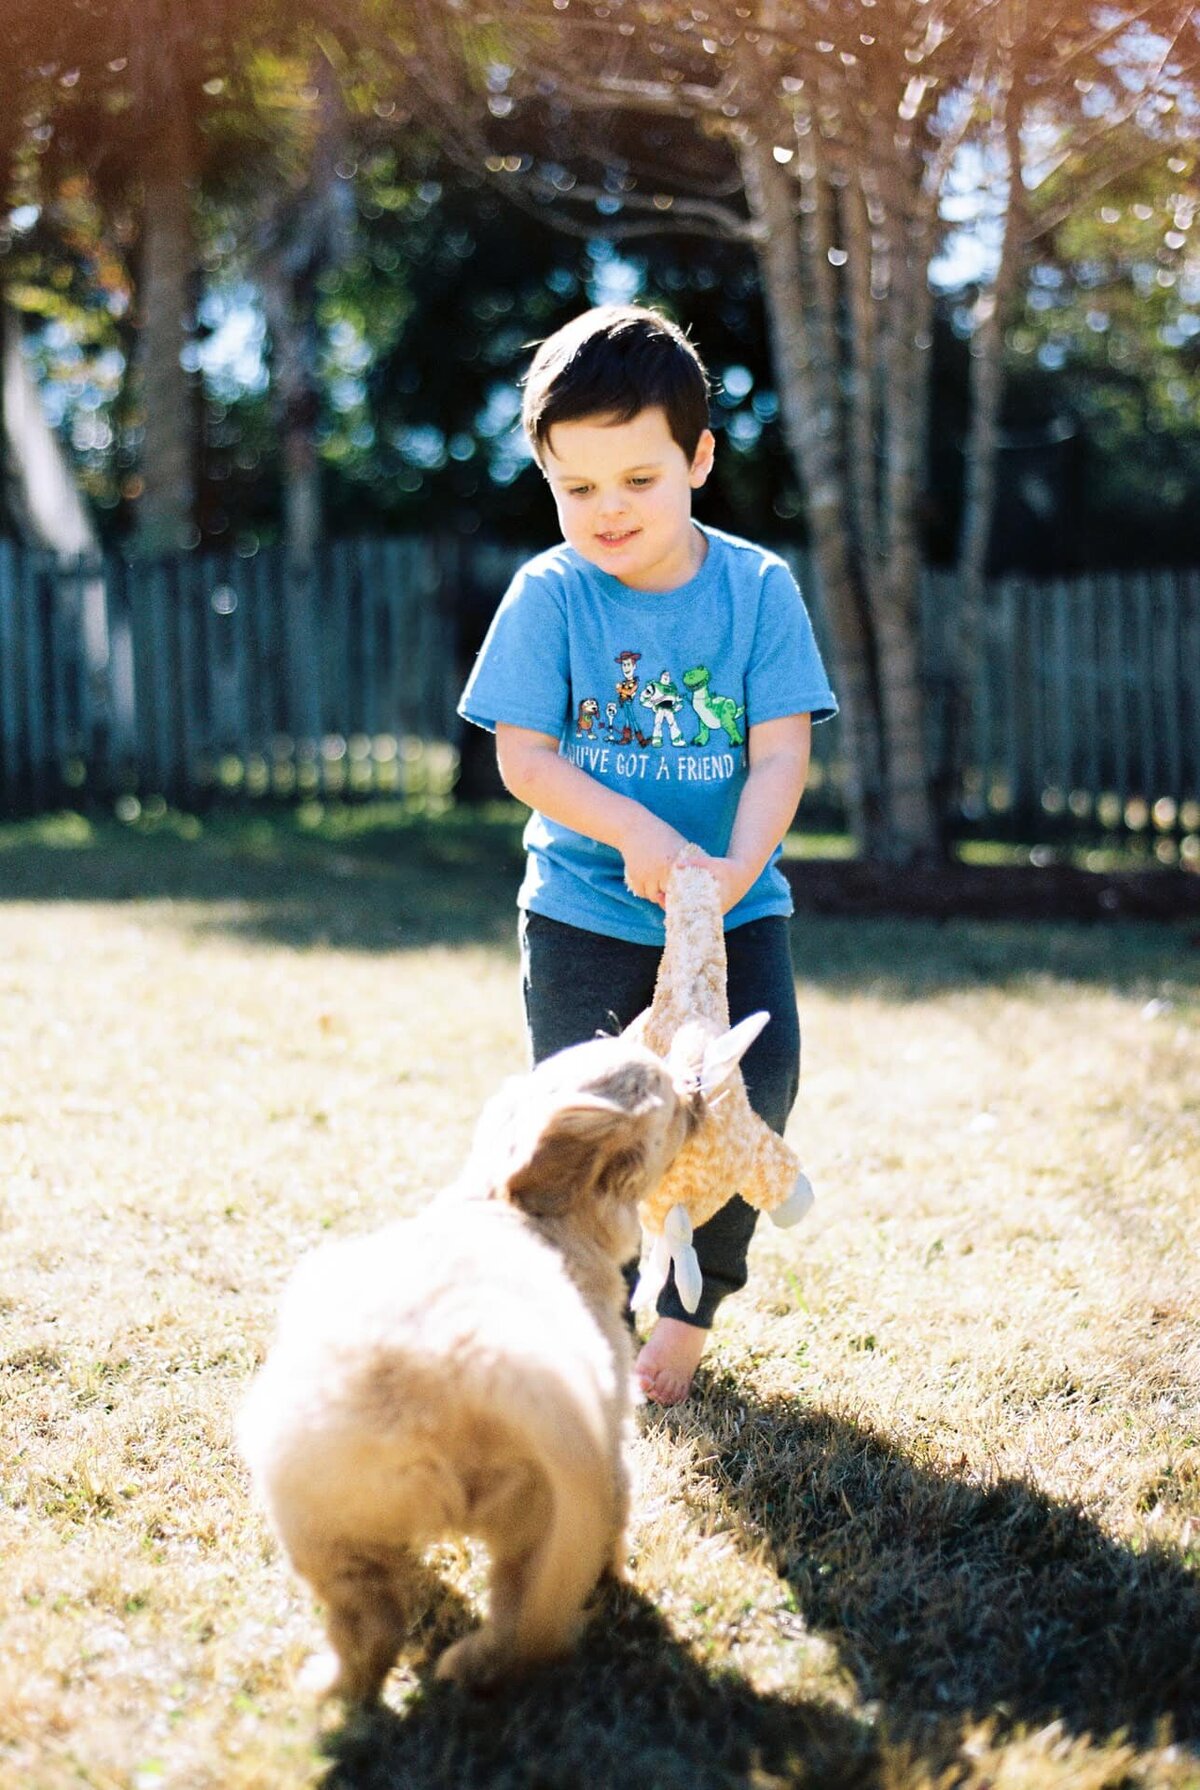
(723, 1055)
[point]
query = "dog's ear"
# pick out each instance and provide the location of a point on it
(580, 1149)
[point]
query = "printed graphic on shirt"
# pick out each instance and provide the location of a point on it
(660, 704)
(627, 689)
(602, 760)
(712, 710)
(664, 702)
(586, 719)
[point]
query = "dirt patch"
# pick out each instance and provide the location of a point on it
(993, 892)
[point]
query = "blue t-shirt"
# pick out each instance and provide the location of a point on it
(651, 693)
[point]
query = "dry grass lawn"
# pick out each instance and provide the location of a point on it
(934, 1517)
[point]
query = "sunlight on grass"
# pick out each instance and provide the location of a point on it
(934, 1517)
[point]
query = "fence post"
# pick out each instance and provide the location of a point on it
(10, 705)
(1116, 636)
(943, 744)
(1169, 628)
(1091, 660)
(1189, 691)
(1067, 702)
(1017, 705)
(303, 655)
(34, 642)
(1143, 636)
(188, 596)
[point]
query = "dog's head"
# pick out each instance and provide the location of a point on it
(593, 1129)
(588, 1133)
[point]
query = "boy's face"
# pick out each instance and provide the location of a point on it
(624, 496)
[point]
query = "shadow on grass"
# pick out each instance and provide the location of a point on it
(948, 1605)
(381, 878)
(950, 1602)
(633, 1707)
(350, 880)
(904, 960)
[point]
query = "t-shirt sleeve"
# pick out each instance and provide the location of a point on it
(522, 674)
(785, 675)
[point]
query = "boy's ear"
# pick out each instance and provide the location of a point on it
(702, 459)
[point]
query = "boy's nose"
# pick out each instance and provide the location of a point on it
(611, 504)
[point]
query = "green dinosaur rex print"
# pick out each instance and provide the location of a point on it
(712, 711)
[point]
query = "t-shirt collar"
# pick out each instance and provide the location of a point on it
(657, 600)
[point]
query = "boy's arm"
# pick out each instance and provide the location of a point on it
(536, 773)
(779, 753)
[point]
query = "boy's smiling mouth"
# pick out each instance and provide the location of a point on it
(616, 537)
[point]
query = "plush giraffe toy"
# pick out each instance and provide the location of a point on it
(733, 1151)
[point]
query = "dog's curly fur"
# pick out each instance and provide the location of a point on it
(467, 1372)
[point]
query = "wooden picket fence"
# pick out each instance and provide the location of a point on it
(1073, 704)
(1070, 705)
(199, 675)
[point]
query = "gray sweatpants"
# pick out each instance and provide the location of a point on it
(578, 984)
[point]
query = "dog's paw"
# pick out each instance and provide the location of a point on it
(474, 1662)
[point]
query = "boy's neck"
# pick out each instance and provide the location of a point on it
(697, 553)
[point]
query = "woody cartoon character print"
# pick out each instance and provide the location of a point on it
(627, 689)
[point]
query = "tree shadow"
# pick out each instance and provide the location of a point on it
(369, 885)
(632, 1706)
(901, 959)
(950, 1602)
(420, 883)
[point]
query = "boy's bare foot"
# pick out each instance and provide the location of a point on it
(668, 1360)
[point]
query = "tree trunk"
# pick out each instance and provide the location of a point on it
(862, 378)
(986, 374)
(296, 392)
(44, 502)
(985, 396)
(876, 644)
(300, 234)
(296, 400)
(165, 514)
(912, 815)
(902, 373)
(806, 411)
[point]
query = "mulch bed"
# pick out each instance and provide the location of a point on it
(993, 892)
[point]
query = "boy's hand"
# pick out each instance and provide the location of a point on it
(650, 848)
(733, 877)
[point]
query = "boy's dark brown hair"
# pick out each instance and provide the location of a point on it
(611, 363)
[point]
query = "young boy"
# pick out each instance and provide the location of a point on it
(697, 648)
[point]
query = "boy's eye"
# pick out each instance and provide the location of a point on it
(641, 479)
(578, 490)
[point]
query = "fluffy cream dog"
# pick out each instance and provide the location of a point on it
(467, 1371)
